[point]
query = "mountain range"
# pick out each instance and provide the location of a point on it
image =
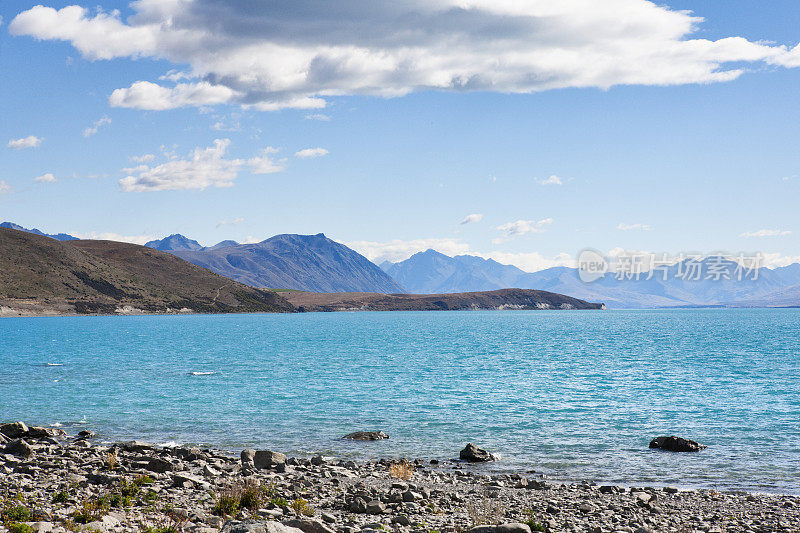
(302, 262)
(434, 272)
(57, 236)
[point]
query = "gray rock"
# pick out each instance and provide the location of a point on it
(317, 460)
(473, 454)
(358, 506)
(676, 444)
(255, 526)
(367, 435)
(36, 432)
(268, 459)
(157, 464)
(14, 430)
(133, 445)
(513, 527)
(483, 529)
(307, 525)
(247, 456)
(376, 507)
(19, 447)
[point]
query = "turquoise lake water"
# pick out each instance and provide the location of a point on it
(574, 395)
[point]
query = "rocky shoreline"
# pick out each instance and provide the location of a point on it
(50, 481)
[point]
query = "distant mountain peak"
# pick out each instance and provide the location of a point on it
(174, 242)
(56, 236)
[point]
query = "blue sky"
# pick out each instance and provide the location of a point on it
(654, 152)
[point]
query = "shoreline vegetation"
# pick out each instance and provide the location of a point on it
(52, 482)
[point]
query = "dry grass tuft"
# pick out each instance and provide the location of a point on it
(401, 470)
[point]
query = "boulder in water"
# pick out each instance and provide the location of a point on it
(676, 444)
(367, 435)
(473, 454)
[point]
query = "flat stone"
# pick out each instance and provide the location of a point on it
(157, 464)
(255, 526)
(513, 527)
(307, 525)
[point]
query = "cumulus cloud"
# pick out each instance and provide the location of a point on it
(474, 217)
(205, 167)
(232, 222)
(5, 188)
(264, 163)
(766, 233)
(398, 250)
(45, 178)
(106, 236)
(272, 55)
(632, 227)
(551, 180)
(31, 141)
(521, 227)
(91, 130)
(311, 152)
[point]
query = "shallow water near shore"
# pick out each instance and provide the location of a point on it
(574, 395)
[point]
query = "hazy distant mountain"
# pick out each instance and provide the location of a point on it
(174, 242)
(222, 244)
(431, 271)
(303, 262)
(57, 236)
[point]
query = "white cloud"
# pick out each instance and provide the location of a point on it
(142, 158)
(91, 130)
(154, 97)
(311, 152)
(398, 250)
(551, 180)
(632, 227)
(272, 55)
(31, 141)
(766, 233)
(318, 116)
(530, 262)
(5, 188)
(205, 167)
(265, 164)
(474, 217)
(105, 236)
(232, 222)
(521, 227)
(45, 178)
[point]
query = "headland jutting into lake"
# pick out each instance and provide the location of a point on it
(55, 482)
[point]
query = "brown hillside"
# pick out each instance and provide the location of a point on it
(103, 276)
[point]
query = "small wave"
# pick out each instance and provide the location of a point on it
(170, 444)
(201, 373)
(54, 364)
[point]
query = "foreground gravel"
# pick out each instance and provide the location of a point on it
(51, 482)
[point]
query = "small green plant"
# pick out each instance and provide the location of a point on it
(61, 496)
(532, 523)
(15, 513)
(143, 480)
(301, 507)
(277, 501)
(90, 511)
(252, 497)
(19, 528)
(226, 506)
(111, 459)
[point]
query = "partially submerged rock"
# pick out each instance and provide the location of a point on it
(473, 454)
(676, 444)
(367, 435)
